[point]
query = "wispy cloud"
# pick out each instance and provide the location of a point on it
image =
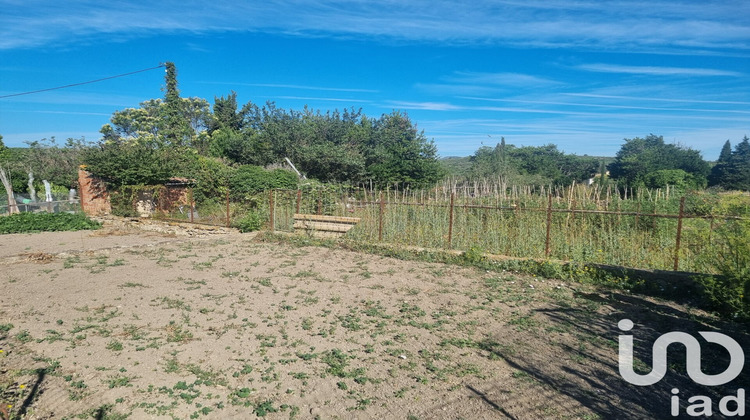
(655, 99)
(57, 112)
(318, 99)
(656, 71)
(610, 106)
(514, 80)
(428, 106)
(290, 86)
(678, 24)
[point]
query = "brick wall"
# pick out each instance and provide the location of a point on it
(93, 193)
(95, 198)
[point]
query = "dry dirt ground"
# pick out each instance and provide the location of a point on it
(141, 320)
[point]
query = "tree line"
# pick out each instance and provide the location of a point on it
(188, 137)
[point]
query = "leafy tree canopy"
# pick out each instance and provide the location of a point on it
(639, 157)
(734, 172)
(532, 164)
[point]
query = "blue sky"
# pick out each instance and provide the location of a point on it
(581, 74)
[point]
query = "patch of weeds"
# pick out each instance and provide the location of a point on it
(299, 375)
(230, 274)
(114, 345)
(133, 332)
(173, 303)
(77, 390)
(103, 412)
(24, 336)
(307, 356)
(351, 321)
(375, 310)
(265, 407)
(71, 262)
(131, 284)
(176, 334)
(202, 265)
(207, 376)
(264, 281)
(269, 375)
(401, 393)
(523, 322)
(266, 340)
(172, 366)
(118, 381)
(51, 337)
(521, 375)
(362, 404)
(5, 329)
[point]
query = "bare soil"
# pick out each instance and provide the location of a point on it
(150, 320)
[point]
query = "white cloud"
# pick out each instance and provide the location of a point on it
(656, 99)
(318, 99)
(300, 87)
(657, 71)
(660, 24)
(430, 106)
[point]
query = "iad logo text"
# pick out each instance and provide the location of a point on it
(700, 405)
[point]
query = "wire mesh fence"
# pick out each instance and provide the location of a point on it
(646, 230)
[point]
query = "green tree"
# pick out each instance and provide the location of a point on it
(640, 156)
(176, 125)
(532, 164)
(397, 153)
(131, 163)
(719, 169)
(248, 180)
(736, 174)
(490, 162)
(57, 164)
(226, 115)
(672, 177)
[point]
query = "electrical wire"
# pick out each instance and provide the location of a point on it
(82, 83)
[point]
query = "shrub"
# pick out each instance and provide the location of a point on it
(248, 180)
(729, 293)
(250, 223)
(45, 222)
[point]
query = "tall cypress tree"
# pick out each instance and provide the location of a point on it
(726, 152)
(737, 175)
(719, 170)
(176, 129)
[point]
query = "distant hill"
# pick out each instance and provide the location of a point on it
(456, 165)
(460, 166)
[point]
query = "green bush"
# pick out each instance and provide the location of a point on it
(248, 180)
(250, 223)
(729, 293)
(45, 222)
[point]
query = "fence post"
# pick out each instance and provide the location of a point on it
(637, 214)
(549, 224)
(573, 213)
(320, 206)
(271, 210)
(228, 221)
(192, 205)
(299, 200)
(679, 234)
(380, 222)
(450, 222)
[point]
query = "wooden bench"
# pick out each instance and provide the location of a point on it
(321, 225)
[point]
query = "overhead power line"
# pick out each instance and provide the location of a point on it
(82, 83)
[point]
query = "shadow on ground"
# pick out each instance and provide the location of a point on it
(607, 394)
